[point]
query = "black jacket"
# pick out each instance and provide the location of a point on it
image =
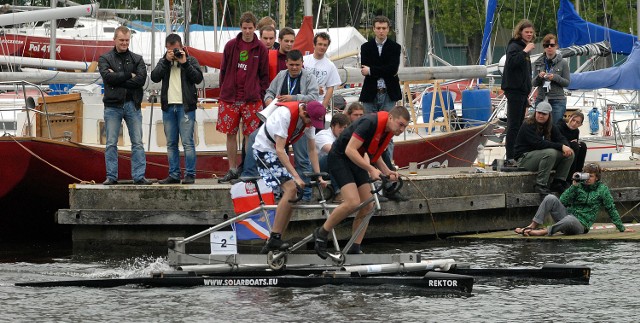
(381, 66)
(516, 77)
(190, 75)
(119, 83)
(529, 139)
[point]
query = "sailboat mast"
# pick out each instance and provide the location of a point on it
(54, 29)
(489, 56)
(308, 8)
(428, 22)
(167, 17)
(400, 29)
(282, 13)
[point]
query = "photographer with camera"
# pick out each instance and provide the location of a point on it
(577, 208)
(179, 74)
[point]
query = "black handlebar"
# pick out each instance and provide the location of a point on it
(388, 189)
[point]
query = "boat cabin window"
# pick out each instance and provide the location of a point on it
(161, 139)
(109, 30)
(8, 125)
(211, 135)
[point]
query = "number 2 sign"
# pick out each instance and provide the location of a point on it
(223, 243)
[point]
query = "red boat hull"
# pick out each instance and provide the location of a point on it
(81, 50)
(32, 189)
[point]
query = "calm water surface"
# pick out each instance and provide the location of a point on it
(613, 294)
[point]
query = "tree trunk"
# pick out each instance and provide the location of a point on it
(474, 45)
(418, 39)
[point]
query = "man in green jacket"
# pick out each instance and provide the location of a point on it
(577, 208)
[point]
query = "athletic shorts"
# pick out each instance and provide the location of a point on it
(344, 171)
(271, 169)
(230, 113)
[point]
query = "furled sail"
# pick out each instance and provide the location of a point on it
(573, 30)
(623, 77)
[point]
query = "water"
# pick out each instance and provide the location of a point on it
(613, 294)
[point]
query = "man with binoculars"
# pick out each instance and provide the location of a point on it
(577, 208)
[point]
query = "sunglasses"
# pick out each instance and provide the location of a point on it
(548, 45)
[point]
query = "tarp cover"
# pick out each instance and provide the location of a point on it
(573, 30)
(623, 77)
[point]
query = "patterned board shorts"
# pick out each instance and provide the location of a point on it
(271, 169)
(230, 113)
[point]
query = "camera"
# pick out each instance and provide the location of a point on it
(580, 177)
(177, 53)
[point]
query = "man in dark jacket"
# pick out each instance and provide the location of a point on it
(244, 79)
(123, 74)
(179, 74)
(541, 148)
(516, 82)
(380, 63)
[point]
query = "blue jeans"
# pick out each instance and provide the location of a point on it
(558, 108)
(382, 103)
(301, 159)
(113, 117)
(179, 125)
(249, 167)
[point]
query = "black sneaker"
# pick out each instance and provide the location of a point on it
(231, 174)
(143, 181)
(396, 196)
(541, 189)
(353, 250)
(169, 180)
(320, 244)
(110, 181)
(274, 245)
(189, 180)
(510, 163)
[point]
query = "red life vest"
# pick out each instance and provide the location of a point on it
(292, 135)
(380, 139)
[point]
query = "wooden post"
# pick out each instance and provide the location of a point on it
(437, 91)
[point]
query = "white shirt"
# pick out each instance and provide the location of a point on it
(324, 137)
(325, 72)
(278, 125)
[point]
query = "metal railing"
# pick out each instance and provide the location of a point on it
(30, 104)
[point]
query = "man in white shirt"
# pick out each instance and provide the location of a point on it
(322, 67)
(292, 122)
(324, 140)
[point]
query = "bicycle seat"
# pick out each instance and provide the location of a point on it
(252, 179)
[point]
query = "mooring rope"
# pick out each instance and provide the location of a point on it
(50, 164)
(433, 221)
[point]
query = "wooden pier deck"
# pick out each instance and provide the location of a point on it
(445, 202)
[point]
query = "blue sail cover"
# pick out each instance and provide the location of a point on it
(488, 26)
(573, 30)
(623, 77)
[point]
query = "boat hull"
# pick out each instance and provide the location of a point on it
(32, 189)
(81, 49)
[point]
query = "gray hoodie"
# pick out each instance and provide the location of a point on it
(560, 70)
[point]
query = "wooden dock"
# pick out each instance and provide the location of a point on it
(600, 231)
(443, 202)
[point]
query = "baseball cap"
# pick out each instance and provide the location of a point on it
(316, 112)
(543, 107)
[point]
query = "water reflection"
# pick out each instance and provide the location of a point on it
(612, 295)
